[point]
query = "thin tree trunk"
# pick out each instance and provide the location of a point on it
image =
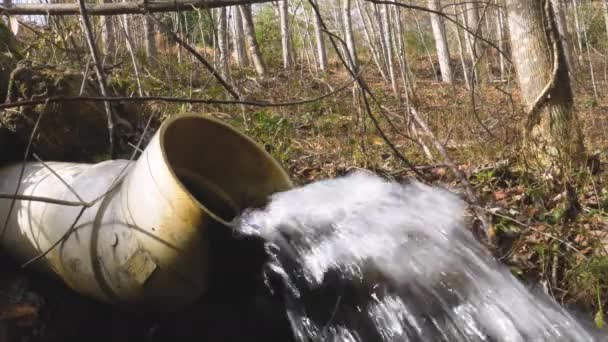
(605, 6)
(426, 47)
(388, 43)
(553, 136)
(149, 41)
(238, 37)
(285, 34)
(458, 30)
(321, 52)
(107, 33)
(591, 70)
(441, 42)
(101, 78)
(560, 21)
(254, 49)
(380, 35)
(348, 34)
(372, 46)
(578, 29)
(128, 41)
(307, 37)
(475, 45)
(222, 42)
(500, 38)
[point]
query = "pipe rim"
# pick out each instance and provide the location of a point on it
(169, 121)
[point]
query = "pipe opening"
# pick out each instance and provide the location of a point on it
(225, 171)
(211, 197)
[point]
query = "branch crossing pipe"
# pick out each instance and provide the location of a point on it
(144, 244)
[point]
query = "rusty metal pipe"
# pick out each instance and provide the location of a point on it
(144, 244)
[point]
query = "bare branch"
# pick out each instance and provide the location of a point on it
(225, 83)
(55, 99)
(40, 199)
(133, 7)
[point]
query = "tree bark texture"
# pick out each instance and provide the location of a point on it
(441, 42)
(552, 134)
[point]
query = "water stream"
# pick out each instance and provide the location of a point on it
(360, 258)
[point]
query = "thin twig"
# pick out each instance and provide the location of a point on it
(111, 188)
(347, 63)
(21, 173)
(40, 199)
(218, 76)
(254, 103)
(58, 242)
(60, 178)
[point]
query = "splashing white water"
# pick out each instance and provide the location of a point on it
(363, 259)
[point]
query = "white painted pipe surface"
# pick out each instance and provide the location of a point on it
(144, 244)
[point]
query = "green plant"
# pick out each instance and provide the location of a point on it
(268, 34)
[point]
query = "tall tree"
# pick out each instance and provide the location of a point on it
(238, 37)
(107, 32)
(348, 34)
(285, 34)
(605, 7)
(254, 49)
(370, 36)
(500, 36)
(441, 42)
(222, 42)
(552, 132)
(577, 28)
(321, 53)
(149, 40)
(475, 45)
(388, 45)
(562, 29)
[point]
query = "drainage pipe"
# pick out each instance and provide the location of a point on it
(144, 244)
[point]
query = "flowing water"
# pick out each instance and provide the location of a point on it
(363, 259)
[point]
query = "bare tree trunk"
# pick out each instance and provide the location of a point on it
(101, 78)
(560, 22)
(425, 45)
(321, 53)
(475, 45)
(308, 46)
(348, 35)
(238, 37)
(458, 30)
(500, 27)
(553, 136)
(149, 41)
(388, 44)
(285, 34)
(605, 6)
(254, 49)
(367, 26)
(591, 70)
(107, 33)
(222, 42)
(441, 42)
(578, 29)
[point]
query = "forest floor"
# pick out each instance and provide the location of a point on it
(530, 230)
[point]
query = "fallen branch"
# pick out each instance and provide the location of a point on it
(133, 7)
(55, 99)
